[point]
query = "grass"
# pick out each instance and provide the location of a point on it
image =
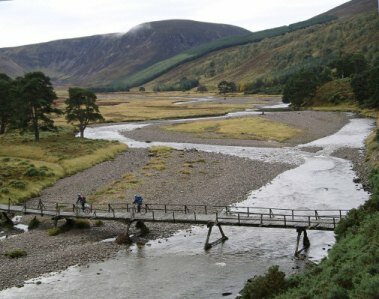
(164, 109)
(70, 224)
(240, 128)
(27, 166)
(346, 107)
(129, 106)
(54, 231)
(99, 223)
(16, 253)
(118, 107)
(116, 190)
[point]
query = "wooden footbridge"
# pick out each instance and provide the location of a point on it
(301, 220)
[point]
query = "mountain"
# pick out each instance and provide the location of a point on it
(274, 58)
(353, 7)
(101, 59)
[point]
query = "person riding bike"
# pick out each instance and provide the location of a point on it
(82, 201)
(138, 201)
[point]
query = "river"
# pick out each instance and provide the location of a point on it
(178, 267)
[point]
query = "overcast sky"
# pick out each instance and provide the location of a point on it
(33, 21)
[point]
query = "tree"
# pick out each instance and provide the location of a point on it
(366, 87)
(81, 107)
(202, 88)
(35, 98)
(142, 88)
(6, 105)
(225, 87)
(350, 64)
(301, 87)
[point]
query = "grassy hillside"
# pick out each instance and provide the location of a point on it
(162, 67)
(275, 57)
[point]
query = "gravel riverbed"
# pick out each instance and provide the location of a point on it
(211, 179)
(314, 125)
(189, 177)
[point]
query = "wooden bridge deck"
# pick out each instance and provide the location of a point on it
(191, 214)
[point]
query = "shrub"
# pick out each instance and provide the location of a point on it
(338, 293)
(34, 223)
(54, 231)
(267, 286)
(32, 171)
(99, 223)
(17, 184)
(16, 253)
(4, 190)
(82, 224)
(6, 159)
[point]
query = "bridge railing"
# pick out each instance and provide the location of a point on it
(292, 213)
(227, 212)
(283, 220)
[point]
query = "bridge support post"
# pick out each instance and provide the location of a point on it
(55, 219)
(7, 221)
(306, 243)
(208, 245)
(142, 227)
(125, 238)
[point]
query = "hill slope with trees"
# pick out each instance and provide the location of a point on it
(273, 59)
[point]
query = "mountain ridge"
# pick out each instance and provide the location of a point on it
(150, 50)
(99, 58)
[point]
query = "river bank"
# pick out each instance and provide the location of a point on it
(213, 179)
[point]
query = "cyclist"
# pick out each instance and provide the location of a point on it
(82, 201)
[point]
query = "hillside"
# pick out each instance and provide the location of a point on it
(276, 57)
(356, 30)
(100, 59)
(353, 7)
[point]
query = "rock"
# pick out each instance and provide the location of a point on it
(227, 293)
(123, 239)
(38, 282)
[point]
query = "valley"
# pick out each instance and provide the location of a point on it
(185, 112)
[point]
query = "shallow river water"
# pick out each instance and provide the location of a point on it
(178, 267)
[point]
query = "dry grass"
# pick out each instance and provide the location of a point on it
(348, 107)
(27, 167)
(129, 106)
(255, 128)
(116, 191)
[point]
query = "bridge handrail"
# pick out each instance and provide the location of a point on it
(192, 208)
